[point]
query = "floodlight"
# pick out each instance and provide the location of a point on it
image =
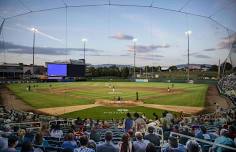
(188, 32)
(84, 40)
(34, 29)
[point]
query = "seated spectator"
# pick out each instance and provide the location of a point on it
(152, 137)
(27, 147)
(185, 131)
(21, 134)
(3, 143)
(38, 140)
(125, 145)
(56, 132)
(140, 144)
(120, 125)
(193, 146)
(45, 131)
(108, 146)
(224, 140)
(95, 135)
(232, 132)
(131, 135)
(92, 145)
(202, 134)
(12, 143)
(151, 148)
(69, 142)
(173, 146)
(105, 124)
(84, 144)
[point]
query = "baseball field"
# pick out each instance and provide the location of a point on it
(106, 100)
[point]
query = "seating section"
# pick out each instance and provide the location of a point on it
(227, 87)
(204, 127)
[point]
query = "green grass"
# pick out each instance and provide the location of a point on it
(108, 113)
(78, 93)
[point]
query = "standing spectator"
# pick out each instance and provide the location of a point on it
(128, 122)
(140, 124)
(152, 137)
(125, 145)
(69, 142)
(56, 132)
(12, 143)
(84, 143)
(108, 146)
(140, 144)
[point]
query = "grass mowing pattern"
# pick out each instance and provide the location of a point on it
(78, 93)
(108, 113)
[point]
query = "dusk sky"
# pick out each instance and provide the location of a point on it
(110, 30)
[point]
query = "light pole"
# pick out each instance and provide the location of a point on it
(34, 30)
(188, 33)
(84, 41)
(134, 41)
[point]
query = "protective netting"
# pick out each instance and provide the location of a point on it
(110, 27)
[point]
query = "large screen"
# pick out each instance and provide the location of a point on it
(75, 70)
(57, 70)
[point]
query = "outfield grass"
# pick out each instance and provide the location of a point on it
(108, 113)
(76, 93)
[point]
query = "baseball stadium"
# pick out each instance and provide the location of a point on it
(117, 76)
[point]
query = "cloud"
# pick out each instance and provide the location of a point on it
(151, 57)
(227, 41)
(22, 49)
(101, 55)
(146, 48)
(124, 55)
(198, 55)
(202, 56)
(121, 36)
(210, 49)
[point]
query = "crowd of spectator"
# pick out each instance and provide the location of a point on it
(227, 86)
(135, 133)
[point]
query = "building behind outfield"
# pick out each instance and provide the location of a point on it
(19, 71)
(66, 70)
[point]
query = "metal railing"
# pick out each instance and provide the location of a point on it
(203, 141)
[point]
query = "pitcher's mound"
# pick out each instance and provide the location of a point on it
(115, 103)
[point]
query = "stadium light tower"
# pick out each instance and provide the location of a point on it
(34, 30)
(134, 42)
(188, 33)
(84, 41)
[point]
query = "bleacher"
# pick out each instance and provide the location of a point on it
(227, 87)
(32, 123)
